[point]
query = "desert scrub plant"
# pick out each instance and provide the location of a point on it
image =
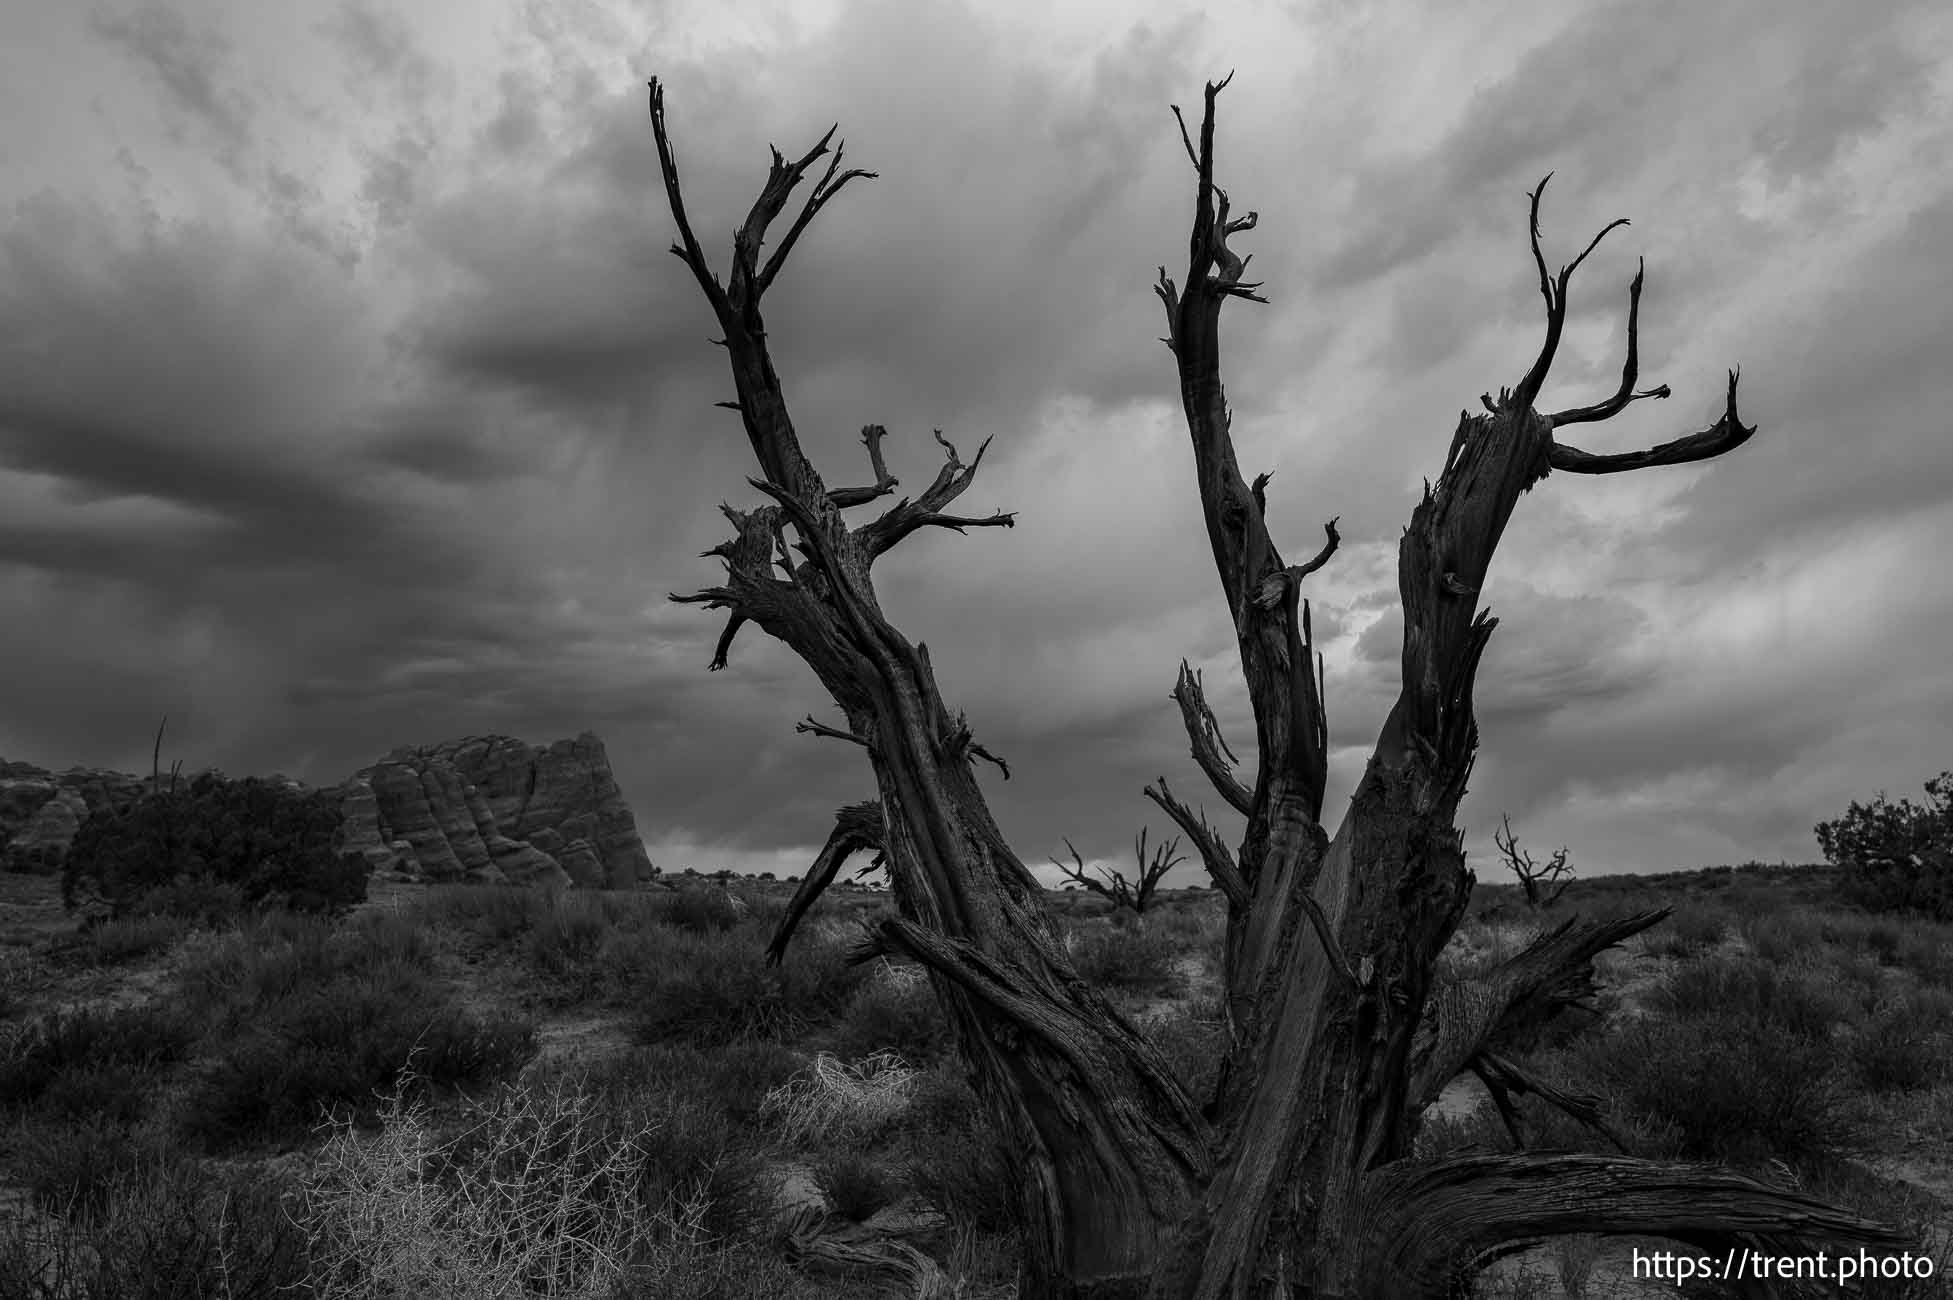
(895, 1010)
(1192, 1036)
(717, 988)
(337, 1045)
(1689, 931)
(833, 1100)
(71, 1164)
(702, 910)
(120, 942)
(1737, 1061)
(271, 842)
(1906, 1044)
(1134, 958)
(533, 1197)
(856, 1185)
(165, 1230)
(127, 1043)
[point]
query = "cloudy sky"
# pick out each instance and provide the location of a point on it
(349, 397)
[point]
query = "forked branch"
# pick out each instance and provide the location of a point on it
(1554, 292)
(1725, 434)
(885, 482)
(858, 828)
(905, 516)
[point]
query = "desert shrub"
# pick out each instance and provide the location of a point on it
(121, 1045)
(1691, 930)
(1136, 959)
(533, 1197)
(1927, 951)
(1781, 937)
(1906, 1043)
(339, 1044)
(71, 1164)
(494, 914)
(835, 1101)
(1737, 1063)
(1898, 856)
(272, 843)
(164, 1230)
(1193, 1039)
(856, 1186)
(966, 1173)
(715, 989)
(701, 911)
(895, 1011)
(565, 943)
(119, 942)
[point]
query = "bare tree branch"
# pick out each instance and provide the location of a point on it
(1277, 584)
(1210, 751)
(885, 482)
(1505, 1008)
(687, 250)
(905, 516)
(827, 188)
(1207, 842)
(1629, 369)
(1503, 1079)
(858, 828)
(1554, 292)
(1724, 435)
(810, 727)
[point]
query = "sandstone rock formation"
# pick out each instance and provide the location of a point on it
(490, 808)
(41, 810)
(484, 808)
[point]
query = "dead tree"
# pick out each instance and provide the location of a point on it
(1113, 885)
(1543, 884)
(1295, 1177)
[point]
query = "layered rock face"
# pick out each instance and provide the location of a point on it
(41, 810)
(490, 808)
(485, 808)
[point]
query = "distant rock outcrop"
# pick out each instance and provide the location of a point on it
(41, 810)
(485, 808)
(490, 808)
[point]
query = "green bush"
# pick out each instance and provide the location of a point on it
(271, 843)
(1899, 856)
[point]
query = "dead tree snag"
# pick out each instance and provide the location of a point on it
(1113, 885)
(1543, 883)
(1295, 1177)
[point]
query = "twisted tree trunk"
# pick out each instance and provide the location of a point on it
(1295, 1177)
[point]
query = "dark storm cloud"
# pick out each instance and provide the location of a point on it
(409, 437)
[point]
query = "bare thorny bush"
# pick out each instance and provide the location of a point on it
(1295, 1174)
